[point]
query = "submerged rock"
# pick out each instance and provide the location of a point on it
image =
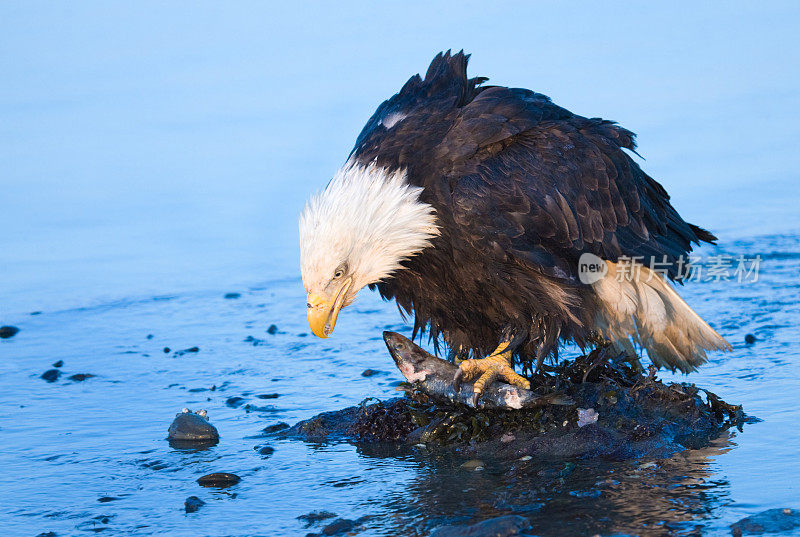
(189, 428)
(219, 480)
(265, 451)
(773, 521)
(339, 526)
(192, 504)
(315, 516)
(280, 426)
(272, 330)
(494, 527)
(8, 331)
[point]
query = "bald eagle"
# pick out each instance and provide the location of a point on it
(472, 205)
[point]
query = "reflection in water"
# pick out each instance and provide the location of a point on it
(584, 497)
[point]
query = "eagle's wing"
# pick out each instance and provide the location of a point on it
(532, 180)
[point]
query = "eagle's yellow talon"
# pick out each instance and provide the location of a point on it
(495, 366)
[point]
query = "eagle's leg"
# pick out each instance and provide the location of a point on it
(497, 365)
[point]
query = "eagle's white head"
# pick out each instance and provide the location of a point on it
(356, 232)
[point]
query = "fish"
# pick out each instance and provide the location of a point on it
(435, 377)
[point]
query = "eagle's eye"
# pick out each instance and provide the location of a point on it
(338, 274)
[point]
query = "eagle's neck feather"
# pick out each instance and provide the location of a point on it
(369, 218)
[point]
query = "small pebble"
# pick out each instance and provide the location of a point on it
(266, 451)
(369, 372)
(184, 351)
(80, 377)
(58, 363)
(51, 375)
(149, 336)
(750, 339)
(192, 504)
(272, 330)
(525, 458)
(473, 464)
(8, 331)
(219, 479)
(167, 350)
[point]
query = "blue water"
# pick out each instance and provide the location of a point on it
(155, 157)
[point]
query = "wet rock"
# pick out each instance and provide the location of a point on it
(186, 351)
(275, 427)
(231, 296)
(268, 396)
(8, 331)
(167, 350)
(339, 527)
(189, 427)
(149, 336)
(750, 339)
(370, 372)
(494, 527)
(315, 516)
(772, 521)
(266, 451)
(235, 402)
(107, 499)
(219, 480)
(58, 363)
(192, 504)
(47, 533)
(80, 377)
(272, 330)
(51, 375)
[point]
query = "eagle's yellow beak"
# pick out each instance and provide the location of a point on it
(323, 309)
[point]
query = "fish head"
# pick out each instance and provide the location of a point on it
(412, 360)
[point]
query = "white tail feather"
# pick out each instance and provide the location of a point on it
(646, 310)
